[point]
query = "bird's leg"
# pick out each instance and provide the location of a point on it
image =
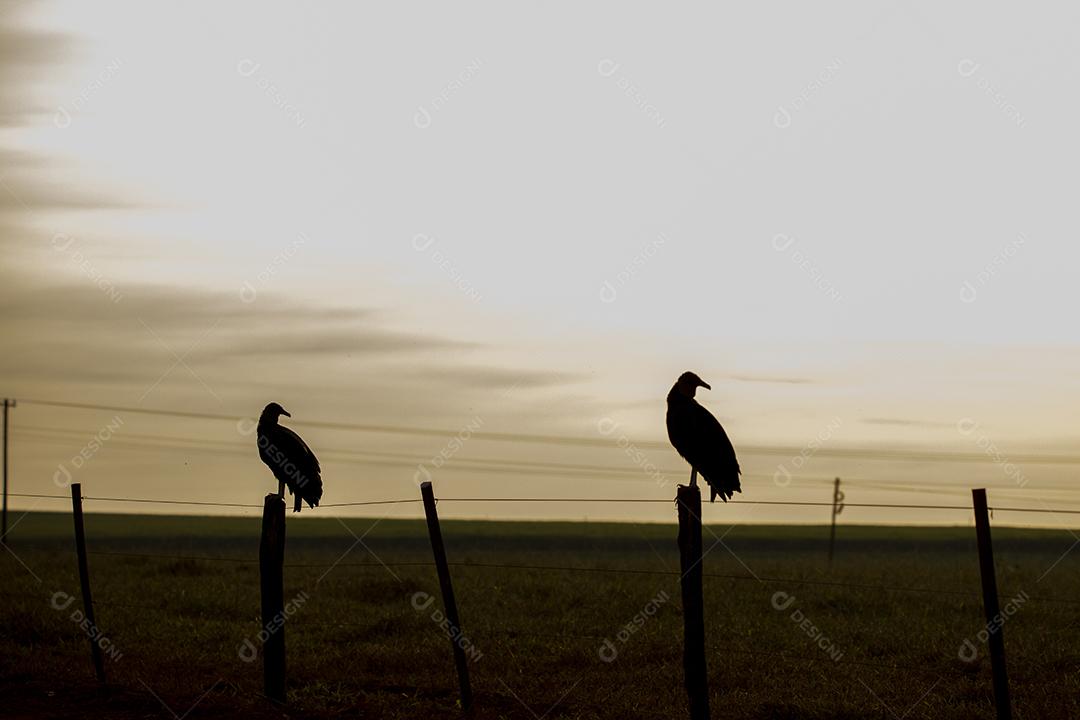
(693, 476)
(281, 489)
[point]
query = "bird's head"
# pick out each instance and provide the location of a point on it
(688, 383)
(271, 413)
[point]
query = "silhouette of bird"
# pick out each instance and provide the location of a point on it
(699, 437)
(289, 458)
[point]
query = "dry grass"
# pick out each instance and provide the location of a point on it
(358, 647)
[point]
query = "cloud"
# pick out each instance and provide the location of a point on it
(25, 56)
(504, 379)
(766, 379)
(904, 422)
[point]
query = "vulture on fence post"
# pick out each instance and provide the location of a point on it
(289, 458)
(699, 437)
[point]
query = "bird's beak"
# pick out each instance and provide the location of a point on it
(285, 412)
(706, 385)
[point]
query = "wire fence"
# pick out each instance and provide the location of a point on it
(785, 654)
(787, 581)
(401, 501)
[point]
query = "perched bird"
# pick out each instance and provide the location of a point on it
(699, 437)
(289, 458)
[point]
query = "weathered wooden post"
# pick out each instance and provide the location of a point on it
(837, 508)
(449, 603)
(272, 585)
(8, 404)
(696, 678)
(84, 579)
(996, 639)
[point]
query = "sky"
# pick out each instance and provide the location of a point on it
(854, 220)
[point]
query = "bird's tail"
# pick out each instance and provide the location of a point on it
(299, 502)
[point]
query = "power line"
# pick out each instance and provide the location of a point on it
(791, 503)
(780, 451)
(731, 502)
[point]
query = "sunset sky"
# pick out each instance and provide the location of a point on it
(866, 245)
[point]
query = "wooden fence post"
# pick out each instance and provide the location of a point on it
(996, 641)
(8, 404)
(449, 603)
(272, 585)
(84, 578)
(697, 682)
(837, 508)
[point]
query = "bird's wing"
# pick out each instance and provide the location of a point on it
(713, 440)
(286, 448)
(699, 437)
(301, 447)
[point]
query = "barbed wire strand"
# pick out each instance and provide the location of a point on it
(791, 503)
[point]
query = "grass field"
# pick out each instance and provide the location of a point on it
(547, 642)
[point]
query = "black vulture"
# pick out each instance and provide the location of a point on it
(699, 437)
(289, 458)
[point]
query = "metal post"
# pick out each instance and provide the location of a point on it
(996, 641)
(84, 578)
(449, 603)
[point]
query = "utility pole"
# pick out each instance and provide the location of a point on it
(3, 531)
(837, 508)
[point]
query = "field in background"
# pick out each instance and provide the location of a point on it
(880, 635)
